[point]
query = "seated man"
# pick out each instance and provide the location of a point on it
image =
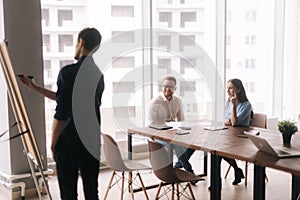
(167, 107)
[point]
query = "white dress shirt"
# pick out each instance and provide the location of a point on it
(162, 110)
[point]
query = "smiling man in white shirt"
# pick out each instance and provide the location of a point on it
(167, 107)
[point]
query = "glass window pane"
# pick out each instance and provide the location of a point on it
(183, 45)
(291, 95)
(251, 50)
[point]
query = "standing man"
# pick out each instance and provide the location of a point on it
(70, 147)
(167, 107)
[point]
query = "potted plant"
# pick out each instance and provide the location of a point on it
(287, 128)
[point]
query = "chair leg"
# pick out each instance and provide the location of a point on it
(130, 185)
(158, 191)
(246, 173)
(143, 186)
(227, 171)
(109, 185)
(173, 192)
(177, 191)
(122, 187)
(191, 191)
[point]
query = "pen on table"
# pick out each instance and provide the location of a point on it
(22, 76)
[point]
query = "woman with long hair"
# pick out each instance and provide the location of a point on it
(238, 112)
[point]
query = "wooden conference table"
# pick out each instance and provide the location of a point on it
(227, 143)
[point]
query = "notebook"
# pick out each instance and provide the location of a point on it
(279, 151)
(162, 126)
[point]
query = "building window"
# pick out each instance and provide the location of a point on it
(49, 87)
(122, 36)
(228, 40)
(250, 86)
(126, 111)
(229, 16)
(187, 63)
(164, 41)
(228, 64)
(165, 63)
(187, 17)
(48, 69)
(187, 86)
(123, 62)
(186, 40)
(250, 40)
(46, 43)
(250, 63)
(123, 87)
(64, 15)
(65, 41)
(166, 17)
(122, 11)
(250, 16)
(63, 63)
(45, 17)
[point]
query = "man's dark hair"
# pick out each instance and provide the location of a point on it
(170, 78)
(92, 39)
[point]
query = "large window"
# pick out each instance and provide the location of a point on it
(187, 41)
(138, 57)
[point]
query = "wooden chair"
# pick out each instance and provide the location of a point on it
(162, 167)
(259, 120)
(115, 162)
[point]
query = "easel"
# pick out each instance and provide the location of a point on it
(28, 139)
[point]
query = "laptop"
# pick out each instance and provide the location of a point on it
(279, 151)
(160, 126)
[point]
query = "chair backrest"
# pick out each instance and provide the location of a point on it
(259, 120)
(113, 154)
(161, 163)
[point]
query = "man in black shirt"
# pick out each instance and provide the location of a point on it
(75, 141)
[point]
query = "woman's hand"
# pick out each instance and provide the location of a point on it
(233, 99)
(227, 122)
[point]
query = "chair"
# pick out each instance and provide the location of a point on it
(162, 167)
(259, 120)
(115, 162)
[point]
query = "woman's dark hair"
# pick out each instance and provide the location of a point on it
(242, 97)
(237, 83)
(92, 39)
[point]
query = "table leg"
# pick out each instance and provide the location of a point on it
(295, 187)
(215, 178)
(205, 164)
(259, 191)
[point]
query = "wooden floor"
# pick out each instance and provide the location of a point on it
(277, 188)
